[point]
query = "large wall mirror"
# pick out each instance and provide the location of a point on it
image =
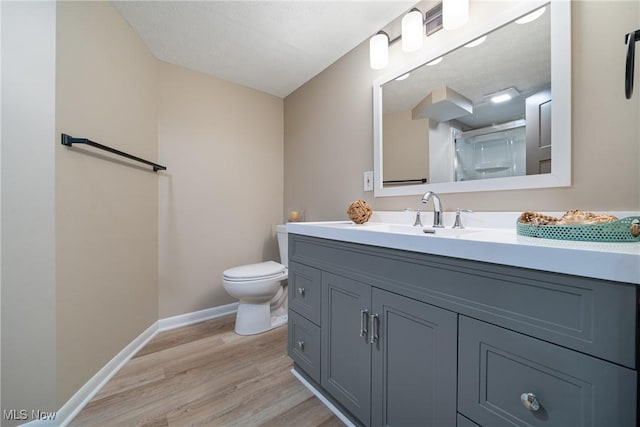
(437, 125)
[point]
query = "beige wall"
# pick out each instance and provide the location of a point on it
(81, 237)
(28, 228)
(404, 139)
(329, 137)
(222, 193)
(106, 210)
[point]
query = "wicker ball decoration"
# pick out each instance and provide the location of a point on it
(359, 211)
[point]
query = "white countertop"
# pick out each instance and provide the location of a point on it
(500, 245)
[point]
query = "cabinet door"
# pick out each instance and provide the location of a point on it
(413, 363)
(346, 356)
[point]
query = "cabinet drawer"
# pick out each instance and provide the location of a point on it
(305, 288)
(496, 366)
(304, 344)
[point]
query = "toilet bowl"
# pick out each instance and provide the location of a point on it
(262, 298)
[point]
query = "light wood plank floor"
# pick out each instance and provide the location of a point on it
(206, 375)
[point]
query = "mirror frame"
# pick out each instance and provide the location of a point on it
(560, 175)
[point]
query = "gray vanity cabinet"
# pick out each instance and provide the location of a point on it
(387, 358)
(398, 338)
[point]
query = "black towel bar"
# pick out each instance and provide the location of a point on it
(405, 181)
(630, 40)
(70, 140)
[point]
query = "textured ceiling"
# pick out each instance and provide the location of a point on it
(272, 46)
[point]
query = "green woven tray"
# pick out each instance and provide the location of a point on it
(616, 231)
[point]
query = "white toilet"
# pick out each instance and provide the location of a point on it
(258, 287)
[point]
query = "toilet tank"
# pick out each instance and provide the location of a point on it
(283, 244)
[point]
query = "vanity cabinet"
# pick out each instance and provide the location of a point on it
(417, 339)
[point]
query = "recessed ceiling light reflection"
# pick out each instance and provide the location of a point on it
(531, 17)
(476, 42)
(502, 95)
(435, 61)
(403, 77)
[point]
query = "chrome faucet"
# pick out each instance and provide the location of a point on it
(437, 208)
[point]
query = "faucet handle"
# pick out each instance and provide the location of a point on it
(458, 221)
(418, 221)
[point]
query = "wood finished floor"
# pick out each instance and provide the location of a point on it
(206, 375)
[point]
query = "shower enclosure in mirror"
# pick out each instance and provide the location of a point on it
(491, 113)
(490, 152)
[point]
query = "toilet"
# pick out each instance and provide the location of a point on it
(260, 290)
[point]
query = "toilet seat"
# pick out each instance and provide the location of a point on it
(252, 272)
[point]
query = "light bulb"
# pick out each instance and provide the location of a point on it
(412, 34)
(379, 51)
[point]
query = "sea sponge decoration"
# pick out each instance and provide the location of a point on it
(359, 211)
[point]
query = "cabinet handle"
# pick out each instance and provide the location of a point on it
(301, 292)
(374, 329)
(301, 345)
(530, 401)
(363, 323)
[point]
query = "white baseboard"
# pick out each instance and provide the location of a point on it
(323, 399)
(80, 399)
(196, 316)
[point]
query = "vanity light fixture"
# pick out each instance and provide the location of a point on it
(502, 95)
(455, 13)
(412, 31)
(476, 42)
(414, 28)
(379, 51)
(531, 16)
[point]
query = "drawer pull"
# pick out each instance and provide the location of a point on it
(364, 314)
(301, 345)
(530, 401)
(301, 292)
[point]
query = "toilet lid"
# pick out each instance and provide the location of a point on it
(261, 270)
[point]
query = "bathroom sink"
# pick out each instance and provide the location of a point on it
(427, 231)
(449, 232)
(380, 227)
